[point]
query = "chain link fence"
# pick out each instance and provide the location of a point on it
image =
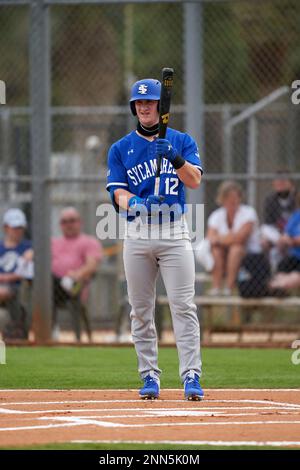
(248, 53)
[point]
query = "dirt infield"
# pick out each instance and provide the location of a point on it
(224, 417)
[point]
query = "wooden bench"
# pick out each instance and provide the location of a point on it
(209, 303)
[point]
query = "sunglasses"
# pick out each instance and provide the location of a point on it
(69, 221)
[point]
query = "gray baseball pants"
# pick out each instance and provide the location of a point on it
(175, 259)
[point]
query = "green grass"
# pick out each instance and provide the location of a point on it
(71, 367)
(86, 367)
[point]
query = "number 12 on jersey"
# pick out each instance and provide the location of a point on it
(171, 186)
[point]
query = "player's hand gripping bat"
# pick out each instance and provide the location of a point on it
(164, 114)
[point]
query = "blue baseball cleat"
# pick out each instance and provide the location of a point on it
(150, 390)
(192, 388)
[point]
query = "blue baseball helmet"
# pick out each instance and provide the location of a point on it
(147, 89)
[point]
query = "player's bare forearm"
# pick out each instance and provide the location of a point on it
(240, 237)
(294, 242)
(231, 238)
(190, 175)
(86, 271)
(9, 277)
(122, 198)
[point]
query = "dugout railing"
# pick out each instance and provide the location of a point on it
(239, 308)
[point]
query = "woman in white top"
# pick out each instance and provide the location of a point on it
(233, 232)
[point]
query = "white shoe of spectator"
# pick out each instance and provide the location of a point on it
(55, 333)
(226, 292)
(214, 292)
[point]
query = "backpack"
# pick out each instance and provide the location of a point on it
(254, 275)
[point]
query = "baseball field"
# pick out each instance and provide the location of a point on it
(86, 398)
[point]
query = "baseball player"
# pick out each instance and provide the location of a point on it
(155, 242)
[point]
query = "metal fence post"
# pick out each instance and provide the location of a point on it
(252, 161)
(40, 163)
(194, 94)
(5, 146)
(2, 353)
(193, 57)
(227, 140)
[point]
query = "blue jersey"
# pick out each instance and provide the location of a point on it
(132, 166)
(292, 228)
(9, 256)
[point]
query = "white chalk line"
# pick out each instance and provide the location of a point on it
(6, 411)
(160, 401)
(45, 426)
(94, 420)
(162, 414)
(150, 425)
(146, 410)
(197, 443)
(63, 402)
(68, 422)
(81, 421)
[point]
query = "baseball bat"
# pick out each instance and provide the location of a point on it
(164, 115)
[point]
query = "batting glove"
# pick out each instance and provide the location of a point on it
(149, 205)
(164, 148)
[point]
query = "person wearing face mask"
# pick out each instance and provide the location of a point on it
(288, 275)
(278, 207)
(289, 242)
(280, 204)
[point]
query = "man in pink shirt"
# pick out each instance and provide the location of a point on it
(75, 258)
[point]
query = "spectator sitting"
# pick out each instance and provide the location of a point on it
(286, 281)
(278, 207)
(16, 263)
(75, 258)
(232, 232)
(289, 245)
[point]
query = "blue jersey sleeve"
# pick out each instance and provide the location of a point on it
(116, 174)
(292, 227)
(289, 226)
(190, 152)
(24, 246)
